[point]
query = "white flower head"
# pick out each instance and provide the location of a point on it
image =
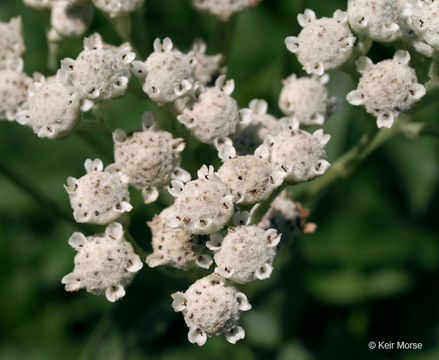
(422, 18)
(176, 247)
(99, 197)
(104, 264)
(323, 44)
(202, 206)
(150, 158)
(100, 71)
(208, 67)
(211, 308)
(224, 9)
(116, 8)
(387, 89)
(11, 42)
(70, 19)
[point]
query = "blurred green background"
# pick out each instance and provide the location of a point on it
(370, 272)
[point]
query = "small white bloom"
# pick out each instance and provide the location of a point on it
(70, 19)
(104, 264)
(224, 9)
(116, 8)
(211, 308)
(387, 89)
(99, 197)
(323, 44)
(208, 67)
(11, 42)
(422, 17)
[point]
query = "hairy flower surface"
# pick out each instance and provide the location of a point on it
(167, 73)
(387, 89)
(298, 153)
(211, 308)
(261, 124)
(70, 19)
(11, 42)
(376, 19)
(246, 253)
(116, 8)
(99, 197)
(423, 17)
(224, 9)
(100, 71)
(104, 264)
(207, 66)
(150, 158)
(175, 247)
(214, 115)
(306, 98)
(323, 44)
(202, 206)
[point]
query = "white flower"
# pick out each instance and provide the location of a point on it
(214, 115)
(11, 42)
(246, 253)
(211, 308)
(104, 264)
(167, 74)
(224, 9)
(100, 71)
(150, 158)
(298, 153)
(116, 8)
(422, 17)
(175, 247)
(207, 66)
(52, 109)
(306, 98)
(323, 44)
(387, 89)
(99, 197)
(69, 19)
(202, 206)
(375, 19)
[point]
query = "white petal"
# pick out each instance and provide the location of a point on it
(226, 273)
(262, 152)
(167, 44)
(77, 241)
(385, 119)
(204, 261)
(71, 282)
(114, 230)
(93, 42)
(264, 272)
(340, 16)
(355, 97)
(226, 152)
(321, 137)
(114, 293)
(183, 87)
(305, 18)
(363, 64)
(197, 336)
(258, 106)
(215, 241)
(138, 69)
(181, 175)
(417, 91)
(179, 303)
(237, 333)
(150, 194)
(121, 83)
(119, 136)
(72, 185)
(123, 207)
(154, 260)
(136, 264)
(176, 188)
(316, 68)
(292, 44)
(245, 117)
(402, 57)
(93, 165)
(67, 65)
(157, 44)
(273, 238)
(229, 87)
(244, 305)
(241, 218)
(205, 172)
(220, 81)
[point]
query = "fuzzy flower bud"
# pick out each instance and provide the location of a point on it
(167, 73)
(306, 99)
(375, 19)
(99, 197)
(387, 89)
(53, 107)
(214, 115)
(246, 253)
(224, 9)
(104, 264)
(422, 17)
(202, 206)
(151, 157)
(100, 71)
(207, 66)
(211, 308)
(323, 44)
(11, 41)
(298, 153)
(116, 8)
(175, 247)
(69, 19)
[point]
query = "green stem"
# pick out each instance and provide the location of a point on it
(414, 130)
(137, 249)
(263, 207)
(224, 35)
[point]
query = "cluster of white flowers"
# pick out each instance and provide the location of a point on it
(224, 9)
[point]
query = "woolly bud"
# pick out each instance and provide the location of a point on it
(251, 179)
(150, 158)
(323, 44)
(207, 66)
(211, 308)
(224, 9)
(167, 73)
(375, 19)
(387, 88)
(69, 19)
(116, 8)
(306, 99)
(104, 264)
(99, 197)
(202, 206)
(422, 17)
(11, 41)
(214, 114)
(246, 253)
(53, 107)
(175, 247)
(14, 86)
(100, 71)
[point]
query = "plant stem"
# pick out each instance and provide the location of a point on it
(137, 249)
(224, 35)
(415, 130)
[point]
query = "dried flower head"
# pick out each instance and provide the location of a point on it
(387, 89)
(70, 19)
(100, 71)
(211, 308)
(202, 206)
(11, 42)
(323, 44)
(104, 264)
(117, 8)
(99, 197)
(224, 9)
(246, 253)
